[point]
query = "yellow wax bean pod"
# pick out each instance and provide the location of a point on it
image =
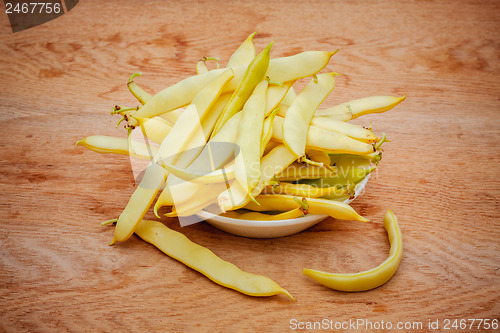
(231, 214)
(321, 139)
(184, 132)
(374, 157)
(341, 194)
(236, 196)
(201, 66)
(207, 124)
(298, 171)
(371, 278)
(185, 190)
(274, 162)
(319, 156)
(244, 54)
(289, 98)
(176, 245)
(275, 94)
(206, 196)
(298, 66)
(301, 112)
(267, 132)
(343, 177)
(247, 163)
(171, 116)
(287, 69)
(142, 96)
(346, 162)
(291, 214)
(177, 95)
(351, 130)
(139, 202)
(211, 119)
(282, 109)
(155, 129)
(113, 145)
(271, 144)
(280, 202)
(359, 107)
(254, 74)
(303, 190)
(216, 176)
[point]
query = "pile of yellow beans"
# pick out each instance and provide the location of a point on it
(240, 141)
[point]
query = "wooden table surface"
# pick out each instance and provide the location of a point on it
(439, 174)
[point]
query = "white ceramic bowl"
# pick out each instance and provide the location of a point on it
(270, 229)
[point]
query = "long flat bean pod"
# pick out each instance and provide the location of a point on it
(254, 74)
(351, 130)
(201, 259)
(113, 145)
(247, 163)
(300, 113)
(371, 278)
(321, 139)
(359, 107)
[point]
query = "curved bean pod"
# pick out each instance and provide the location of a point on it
(372, 278)
(142, 96)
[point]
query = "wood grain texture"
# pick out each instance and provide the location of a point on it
(439, 174)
